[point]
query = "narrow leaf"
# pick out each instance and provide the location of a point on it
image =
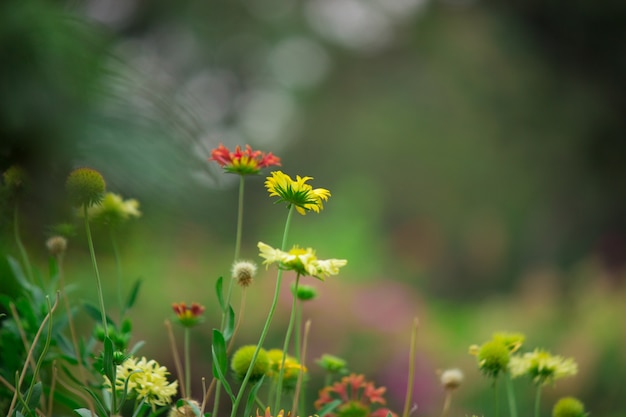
(132, 296)
(230, 324)
(220, 361)
(136, 347)
(219, 294)
(328, 408)
(95, 314)
(109, 366)
(219, 351)
(252, 397)
(34, 395)
(84, 412)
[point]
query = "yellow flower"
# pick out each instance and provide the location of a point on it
(513, 341)
(302, 261)
(145, 379)
(542, 366)
(113, 210)
(299, 193)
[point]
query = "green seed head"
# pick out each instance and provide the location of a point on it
(493, 358)
(14, 177)
(568, 407)
(243, 357)
(85, 187)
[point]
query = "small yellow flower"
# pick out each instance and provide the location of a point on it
(542, 366)
(113, 210)
(145, 380)
(302, 261)
(513, 341)
(299, 193)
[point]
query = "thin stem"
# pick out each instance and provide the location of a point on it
(537, 400)
(299, 391)
(411, 376)
(187, 362)
(237, 245)
(242, 307)
(216, 401)
(446, 403)
(292, 319)
(511, 396)
(177, 365)
(30, 355)
(495, 397)
(239, 233)
(118, 268)
(268, 321)
(95, 267)
(20, 245)
(70, 321)
(52, 388)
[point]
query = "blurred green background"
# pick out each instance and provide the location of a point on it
(474, 151)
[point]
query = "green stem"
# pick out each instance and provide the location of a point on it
(268, 321)
(298, 336)
(20, 245)
(292, 319)
(537, 400)
(237, 246)
(495, 396)
(511, 396)
(187, 363)
(95, 267)
(229, 291)
(216, 402)
(411, 375)
(118, 267)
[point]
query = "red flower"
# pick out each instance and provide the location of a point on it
(243, 162)
(357, 398)
(188, 316)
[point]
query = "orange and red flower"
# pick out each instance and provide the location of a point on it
(188, 316)
(358, 398)
(243, 161)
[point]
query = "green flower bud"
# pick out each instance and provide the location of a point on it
(305, 292)
(332, 363)
(568, 407)
(493, 358)
(85, 187)
(243, 357)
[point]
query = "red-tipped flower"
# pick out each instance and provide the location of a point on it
(243, 162)
(188, 316)
(358, 398)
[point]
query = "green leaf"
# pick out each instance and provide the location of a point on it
(132, 296)
(219, 294)
(101, 409)
(109, 366)
(328, 408)
(252, 396)
(34, 395)
(220, 361)
(18, 273)
(95, 313)
(230, 324)
(136, 347)
(84, 412)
